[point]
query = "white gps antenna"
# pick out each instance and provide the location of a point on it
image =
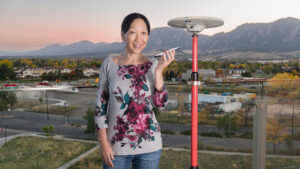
(195, 24)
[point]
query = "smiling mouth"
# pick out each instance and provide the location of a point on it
(137, 46)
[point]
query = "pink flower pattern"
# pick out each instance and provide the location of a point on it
(136, 124)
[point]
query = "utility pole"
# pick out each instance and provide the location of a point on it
(293, 117)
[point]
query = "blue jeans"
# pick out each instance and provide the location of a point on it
(139, 161)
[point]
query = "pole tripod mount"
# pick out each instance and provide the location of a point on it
(195, 24)
(197, 83)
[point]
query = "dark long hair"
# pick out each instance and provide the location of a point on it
(130, 18)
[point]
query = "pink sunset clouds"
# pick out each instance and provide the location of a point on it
(33, 24)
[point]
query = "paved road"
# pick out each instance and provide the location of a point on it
(35, 122)
(29, 121)
(201, 129)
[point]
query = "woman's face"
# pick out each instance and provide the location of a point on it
(136, 37)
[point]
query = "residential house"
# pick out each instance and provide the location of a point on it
(66, 70)
(88, 72)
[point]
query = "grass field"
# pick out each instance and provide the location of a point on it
(36, 106)
(37, 153)
(173, 118)
(181, 160)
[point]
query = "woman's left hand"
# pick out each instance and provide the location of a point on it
(165, 60)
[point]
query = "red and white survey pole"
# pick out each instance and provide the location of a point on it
(195, 24)
(195, 83)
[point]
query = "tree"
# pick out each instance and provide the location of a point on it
(203, 116)
(232, 66)
(26, 62)
(267, 69)
(51, 76)
(284, 81)
(41, 100)
(11, 99)
(295, 72)
(7, 72)
(228, 122)
(7, 100)
(67, 76)
(173, 68)
(247, 74)
(6, 62)
(78, 72)
(65, 62)
(44, 76)
(276, 133)
(244, 113)
(211, 110)
(91, 127)
(172, 74)
(277, 69)
(166, 74)
(50, 63)
(242, 66)
(3, 102)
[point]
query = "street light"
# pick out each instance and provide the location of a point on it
(47, 105)
(195, 24)
(66, 112)
(5, 126)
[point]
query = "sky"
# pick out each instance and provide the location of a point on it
(33, 24)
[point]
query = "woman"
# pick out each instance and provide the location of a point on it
(130, 86)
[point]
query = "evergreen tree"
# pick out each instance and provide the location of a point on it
(91, 127)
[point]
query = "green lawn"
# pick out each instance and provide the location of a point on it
(184, 119)
(173, 118)
(181, 160)
(37, 153)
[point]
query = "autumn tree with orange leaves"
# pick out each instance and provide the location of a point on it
(284, 83)
(276, 132)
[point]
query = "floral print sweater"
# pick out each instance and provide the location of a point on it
(126, 97)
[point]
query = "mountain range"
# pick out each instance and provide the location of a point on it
(281, 37)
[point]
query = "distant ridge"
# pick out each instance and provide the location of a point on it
(280, 36)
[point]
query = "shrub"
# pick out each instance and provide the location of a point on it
(245, 150)
(187, 147)
(246, 135)
(168, 132)
(289, 144)
(186, 132)
(200, 145)
(211, 134)
(214, 148)
(91, 127)
(48, 130)
(75, 124)
(156, 112)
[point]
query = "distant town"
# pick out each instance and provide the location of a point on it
(68, 69)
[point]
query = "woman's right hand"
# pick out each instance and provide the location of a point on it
(107, 154)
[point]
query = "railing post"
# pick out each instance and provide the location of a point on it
(259, 135)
